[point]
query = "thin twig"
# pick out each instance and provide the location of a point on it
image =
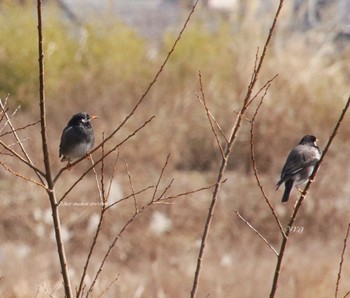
(23, 177)
(164, 191)
(186, 193)
(135, 193)
(211, 117)
(2, 113)
(103, 194)
(113, 175)
(18, 156)
(79, 292)
(341, 261)
(151, 202)
(252, 156)
(160, 178)
(131, 185)
(265, 87)
(100, 195)
(257, 232)
(47, 292)
(8, 117)
(19, 128)
(110, 248)
(17, 142)
(109, 286)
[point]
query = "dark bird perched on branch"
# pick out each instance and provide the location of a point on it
(77, 137)
(300, 164)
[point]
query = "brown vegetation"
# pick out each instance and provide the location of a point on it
(106, 74)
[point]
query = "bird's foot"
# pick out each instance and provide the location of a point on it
(69, 166)
(88, 156)
(300, 190)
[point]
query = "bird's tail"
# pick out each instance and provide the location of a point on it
(288, 188)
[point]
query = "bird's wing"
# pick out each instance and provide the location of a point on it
(65, 139)
(294, 163)
(298, 159)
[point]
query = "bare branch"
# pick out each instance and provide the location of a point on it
(103, 193)
(110, 248)
(5, 146)
(139, 211)
(164, 191)
(113, 175)
(131, 185)
(129, 196)
(341, 262)
(45, 150)
(265, 87)
(109, 286)
(23, 177)
(160, 178)
(79, 292)
(252, 156)
(211, 117)
(233, 135)
(257, 232)
(19, 129)
(183, 194)
(5, 114)
(99, 189)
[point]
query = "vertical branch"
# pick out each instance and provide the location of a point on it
(79, 292)
(341, 261)
(48, 176)
(103, 191)
(233, 135)
(42, 95)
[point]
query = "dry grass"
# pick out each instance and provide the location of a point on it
(306, 98)
(149, 263)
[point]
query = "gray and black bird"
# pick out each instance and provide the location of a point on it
(300, 164)
(77, 137)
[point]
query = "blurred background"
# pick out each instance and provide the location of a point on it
(100, 56)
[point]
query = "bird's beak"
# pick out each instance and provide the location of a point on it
(93, 117)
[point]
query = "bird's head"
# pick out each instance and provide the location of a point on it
(309, 139)
(81, 118)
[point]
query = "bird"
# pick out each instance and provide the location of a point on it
(299, 165)
(77, 137)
